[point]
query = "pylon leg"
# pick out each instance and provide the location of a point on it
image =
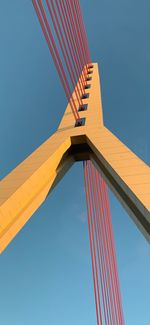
(27, 186)
(126, 174)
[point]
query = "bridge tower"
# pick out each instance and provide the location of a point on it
(81, 136)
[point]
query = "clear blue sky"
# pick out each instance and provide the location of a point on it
(45, 273)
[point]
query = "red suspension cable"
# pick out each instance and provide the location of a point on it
(75, 36)
(106, 278)
(72, 41)
(92, 242)
(121, 317)
(81, 44)
(68, 44)
(68, 25)
(55, 54)
(57, 27)
(83, 32)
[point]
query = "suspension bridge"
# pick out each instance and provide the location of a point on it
(81, 136)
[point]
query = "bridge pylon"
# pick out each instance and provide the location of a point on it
(28, 185)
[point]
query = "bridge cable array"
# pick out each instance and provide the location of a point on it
(65, 19)
(104, 264)
(63, 27)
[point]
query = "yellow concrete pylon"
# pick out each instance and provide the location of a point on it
(27, 186)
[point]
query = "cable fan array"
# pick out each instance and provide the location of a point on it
(71, 55)
(63, 27)
(104, 264)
